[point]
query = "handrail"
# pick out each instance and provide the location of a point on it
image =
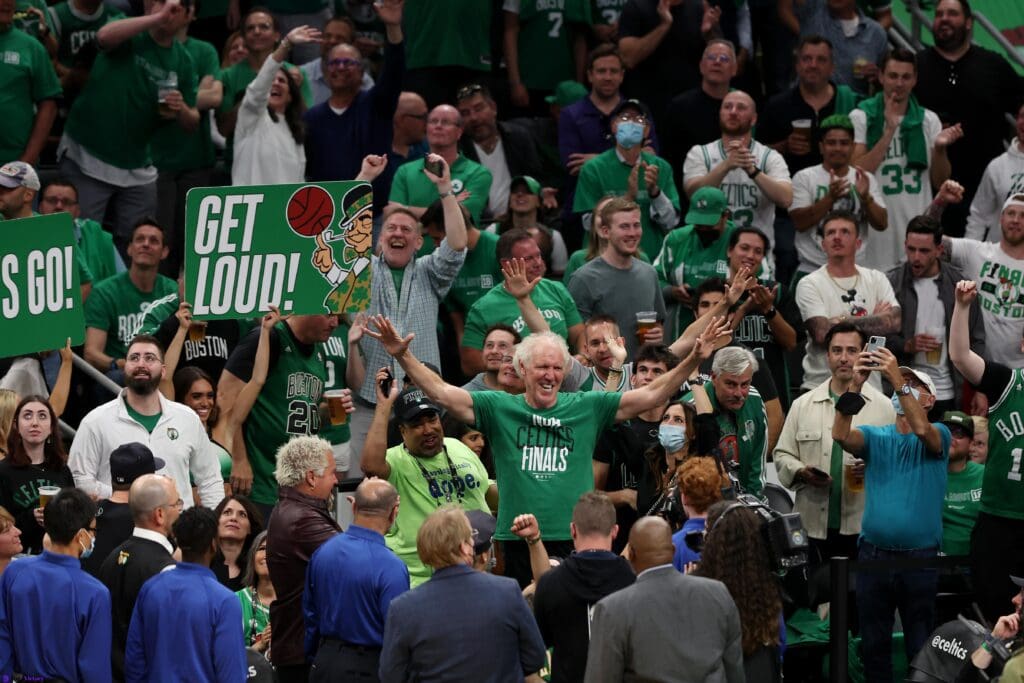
(67, 430)
(101, 379)
(1011, 51)
(919, 19)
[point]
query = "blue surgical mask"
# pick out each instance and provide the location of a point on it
(672, 437)
(896, 399)
(629, 134)
(86, 552)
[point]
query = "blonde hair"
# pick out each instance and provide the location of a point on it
(980, 423)
(6, 520)
(440, 538)
(298, 456)
(8, 403)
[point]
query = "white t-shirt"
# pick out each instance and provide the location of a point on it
(810, 185)
(749, 206)
(908, 192)
(931, 319)
(820, 295)
(501, 181)
(1000, 281)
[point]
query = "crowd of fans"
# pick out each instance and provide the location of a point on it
(626, 256)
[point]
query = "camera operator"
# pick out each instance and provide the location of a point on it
(1006, 636)
(905, 483)
(736, 554)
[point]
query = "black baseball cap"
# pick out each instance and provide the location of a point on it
(412, 403)
(483, 525)
(129, 461)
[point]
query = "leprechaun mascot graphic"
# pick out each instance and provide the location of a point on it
(351, 292)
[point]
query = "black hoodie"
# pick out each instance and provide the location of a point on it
(564, 601)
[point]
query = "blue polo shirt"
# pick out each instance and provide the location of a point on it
(54, 620)
(350, 583)
(904, 487)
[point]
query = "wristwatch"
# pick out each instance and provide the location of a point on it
(756, 172)
(906, 389)
(770, 313)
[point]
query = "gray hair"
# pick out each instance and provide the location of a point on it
(146, 494)
(720, 41)
(733, 360)
(527, 348)
(300, 455)
(249, 578)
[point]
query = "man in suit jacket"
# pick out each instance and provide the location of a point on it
(461, 625)
(154, 503)
(666, 626)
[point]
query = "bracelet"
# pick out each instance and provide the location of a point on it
(285, 43)
(615, 370)
(770, 313)
(985, 646)
(533, 541)
(449, 193)
(756, 173)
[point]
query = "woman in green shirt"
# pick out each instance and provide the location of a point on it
(256, 597)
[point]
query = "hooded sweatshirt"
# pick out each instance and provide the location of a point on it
(1003, 177)
(565, 600)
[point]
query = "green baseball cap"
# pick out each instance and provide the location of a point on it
(566, 93)
(529, 181)
(706, 206)
(963, 421)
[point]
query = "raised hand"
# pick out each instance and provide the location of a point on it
(388, 336)
(516, 282)
(951, 192)
(271, 318)
(949, 135)
(446, 175)
(705, 344)
(966, 292)
(740, 282)
(184, 315)
(526, 527)
(383, 374)
(66, 354)
(763, 298)
(355, 330)
(300, 35)
(617, 350)
(373, 165)
(389, 11)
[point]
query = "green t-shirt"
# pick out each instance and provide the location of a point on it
(148, 422)
(116, 306)
(478, 275)
(422, 495)
(426, 22)
(117, 113)
(26, 78)
(1003, 492)
(545, 44)
(606, 174)
(255, 616)
(960, 508)
(96, 247)
(74, 30)
(411, 186)
(684, 260)
(542, 458)
(498, 306)
(335, 351)
(224, 458)
(174, 149)
(288, 405)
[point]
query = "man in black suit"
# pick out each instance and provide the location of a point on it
(155, 505)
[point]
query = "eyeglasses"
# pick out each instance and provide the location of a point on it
(179, 504)
(443, 122)
(721, 59)
(344, 63)
(144, 358)
(54, 201)
(467, 91)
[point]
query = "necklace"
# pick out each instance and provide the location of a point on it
(851, 293)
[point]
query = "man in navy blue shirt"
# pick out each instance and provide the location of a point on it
(354, 122)
(55, 618)
(905, 485)
(350, 583)
(186, 626)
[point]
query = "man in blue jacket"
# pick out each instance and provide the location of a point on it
(186, 626)
(55, 618)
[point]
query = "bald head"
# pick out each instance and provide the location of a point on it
(650, 543)
(738, 113)
(375, 498)
(149, 492)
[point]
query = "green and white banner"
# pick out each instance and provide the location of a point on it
(304, 248)
(40, 294)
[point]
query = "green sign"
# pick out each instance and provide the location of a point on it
(303, 248)
(40, 294)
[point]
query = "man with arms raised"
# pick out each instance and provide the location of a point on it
(542, 441)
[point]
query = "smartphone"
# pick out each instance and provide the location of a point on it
(386, 383)
(875, 343)
(435, 167)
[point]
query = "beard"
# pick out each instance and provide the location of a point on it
(142, 385)
(958, 37)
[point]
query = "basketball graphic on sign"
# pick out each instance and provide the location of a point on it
(310, 210)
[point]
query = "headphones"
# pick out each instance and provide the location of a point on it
(732, 506)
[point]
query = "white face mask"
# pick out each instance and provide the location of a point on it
(896, 399)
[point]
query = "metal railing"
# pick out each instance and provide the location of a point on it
(919, 21)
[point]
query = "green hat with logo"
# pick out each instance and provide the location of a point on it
(566, 93)
(956, 419)
(706, 206)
